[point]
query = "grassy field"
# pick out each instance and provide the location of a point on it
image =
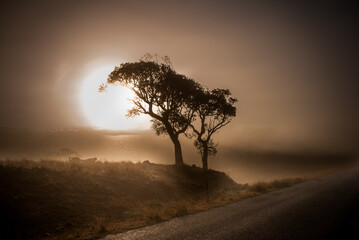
(81, 200)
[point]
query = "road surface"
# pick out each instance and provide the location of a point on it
(325, 208)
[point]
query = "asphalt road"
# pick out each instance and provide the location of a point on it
(325, 208)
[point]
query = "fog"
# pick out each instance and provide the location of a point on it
(251, 162)
(292, 67)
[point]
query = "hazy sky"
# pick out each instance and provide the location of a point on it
(292, 66)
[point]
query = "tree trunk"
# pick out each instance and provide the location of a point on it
(205, 167)
(178, 151)
(205, 157)
(176, 143)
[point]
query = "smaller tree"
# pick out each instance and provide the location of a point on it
(215, 109)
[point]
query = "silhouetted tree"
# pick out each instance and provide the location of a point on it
(214, 110)
(161, 93)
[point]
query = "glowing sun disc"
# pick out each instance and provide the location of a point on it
(107, 110)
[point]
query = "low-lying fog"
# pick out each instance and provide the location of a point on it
(250, 157)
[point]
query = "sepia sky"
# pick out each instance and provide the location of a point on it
(292, 66)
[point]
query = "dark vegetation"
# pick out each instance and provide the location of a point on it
(214, 110)
(85, 200)
(176, 103)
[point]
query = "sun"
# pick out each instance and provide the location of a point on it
(108, 109)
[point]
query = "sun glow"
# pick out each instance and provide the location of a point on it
(108, 109)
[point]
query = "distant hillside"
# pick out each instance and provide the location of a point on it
(83, 200)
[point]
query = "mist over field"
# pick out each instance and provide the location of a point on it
(291, 65)
(85, 86)
(245, 158)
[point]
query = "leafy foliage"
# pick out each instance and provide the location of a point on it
(211, 147)
(161, 93)
(215, 110)
(175, 102)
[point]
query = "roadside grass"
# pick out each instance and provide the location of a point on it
(83, 200)
(261, 187)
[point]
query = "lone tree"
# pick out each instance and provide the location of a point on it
(161, 93)
(215, 110)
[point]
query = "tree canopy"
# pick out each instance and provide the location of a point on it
(162, 93)
(176, 103)
(215, 109)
